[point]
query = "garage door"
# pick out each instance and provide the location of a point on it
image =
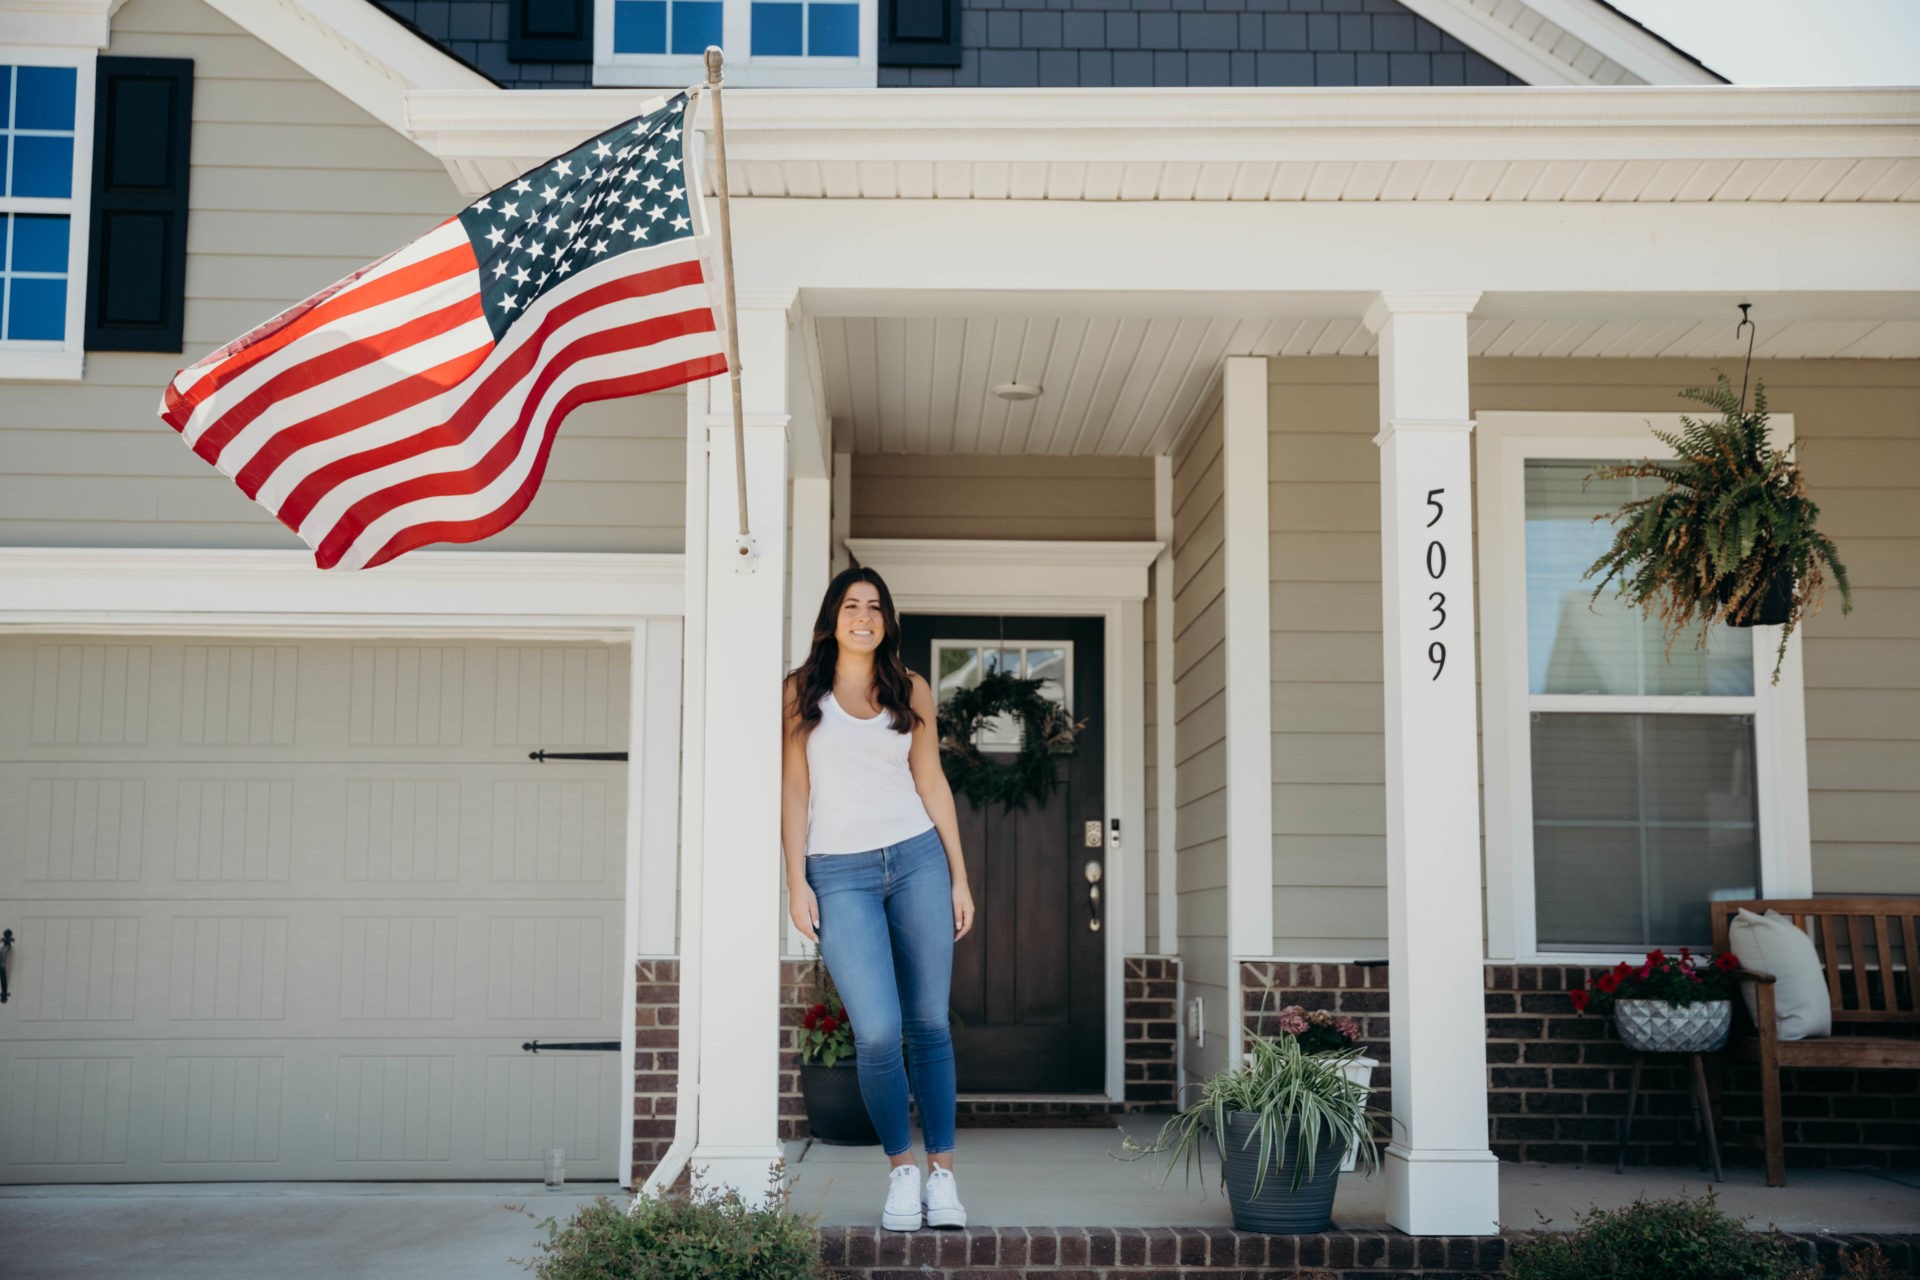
(289, 910)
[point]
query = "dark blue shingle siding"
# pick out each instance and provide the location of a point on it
(1016, 43)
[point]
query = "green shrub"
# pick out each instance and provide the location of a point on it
(706, 1235)
(1677, 1239)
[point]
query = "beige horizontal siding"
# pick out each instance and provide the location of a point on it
(1859, 426)
(990, 496)
(292, 188)
(1200, 730)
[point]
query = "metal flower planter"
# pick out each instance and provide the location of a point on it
(1654, 1026)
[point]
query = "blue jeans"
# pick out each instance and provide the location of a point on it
(886, 935)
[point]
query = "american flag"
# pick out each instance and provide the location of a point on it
(416, 400)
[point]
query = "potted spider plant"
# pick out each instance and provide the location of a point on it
(1732, 536)
(1283, 1120)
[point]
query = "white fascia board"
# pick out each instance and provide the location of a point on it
(1609, 32)
(1597, 26)
(356, 49)
(1046, 248)
(76, 24)
(1188, 125)
(160, 590)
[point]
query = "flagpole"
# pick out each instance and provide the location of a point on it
(715, 62)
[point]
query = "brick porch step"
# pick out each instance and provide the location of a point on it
(1215, 1253)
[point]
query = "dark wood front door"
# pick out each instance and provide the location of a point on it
(1027, 988)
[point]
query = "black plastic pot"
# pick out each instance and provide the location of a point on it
(1776, 606)
(1279, 1209)
(836, 1112)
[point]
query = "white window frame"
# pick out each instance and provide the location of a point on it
(743, 70)
(1507, 440)
(63, 361)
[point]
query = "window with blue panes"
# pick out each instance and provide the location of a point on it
(666, 26)
(777, 28)
(814, 29)
(37, 113)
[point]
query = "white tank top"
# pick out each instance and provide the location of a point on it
(861, 793)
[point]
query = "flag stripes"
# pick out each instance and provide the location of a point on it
(416, 401)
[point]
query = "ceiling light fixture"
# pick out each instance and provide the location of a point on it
(1016, 391)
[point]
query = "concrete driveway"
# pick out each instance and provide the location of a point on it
(281, 1231)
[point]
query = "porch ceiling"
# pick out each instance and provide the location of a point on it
(1126, 385)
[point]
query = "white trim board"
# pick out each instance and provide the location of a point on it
(1506, 440)
(1532, 49)
(1098, 579)
(630, 599)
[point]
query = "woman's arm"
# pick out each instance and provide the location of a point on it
(931, 782)
(793, 812)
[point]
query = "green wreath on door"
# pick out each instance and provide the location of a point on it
(1048, 733)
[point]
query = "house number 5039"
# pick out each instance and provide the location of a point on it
(1436, 570)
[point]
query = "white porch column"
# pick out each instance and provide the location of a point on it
(809, 575)
(745, 650)
(1249, 676)
(1441, 1178)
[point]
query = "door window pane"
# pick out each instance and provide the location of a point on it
(1605, 647)
(961, 663)
(1638, 822)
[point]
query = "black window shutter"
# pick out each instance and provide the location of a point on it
(919, 33)
(137, 243)
(550, 30)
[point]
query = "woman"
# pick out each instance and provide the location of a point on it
(875, 876)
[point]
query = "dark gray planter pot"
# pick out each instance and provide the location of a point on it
(836, 1112)
(1278, 1209)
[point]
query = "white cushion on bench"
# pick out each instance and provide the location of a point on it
(1774, 944)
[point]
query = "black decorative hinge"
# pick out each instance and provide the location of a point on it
(542, 756)
(534, 1046)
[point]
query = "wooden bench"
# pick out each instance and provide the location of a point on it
(1867, 949)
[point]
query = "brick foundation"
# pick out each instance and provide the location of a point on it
(656, 1061)
(1153, 1032)
(1557, 1081)
(1163, 1253)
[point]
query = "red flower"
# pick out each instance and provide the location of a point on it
(1579, 998)
(828, 1023)
(1644, 971)
(1622, 969)
(1656, 957)
(1725, 962)
(811, 1018)
(1686, 953)
(819, 1011)
(1607, 983)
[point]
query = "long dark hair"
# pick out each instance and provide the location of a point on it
(892, 683)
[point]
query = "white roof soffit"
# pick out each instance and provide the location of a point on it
(1550, 42)
(355, 48)
(1646, 144)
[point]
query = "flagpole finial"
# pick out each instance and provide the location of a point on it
(714, 62)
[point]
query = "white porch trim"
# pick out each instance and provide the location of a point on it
(1099, 579)
(1507, 440)
(631, 599)
(1166, 803)
(733, 938)
(1441, 1177)
(1248, 645)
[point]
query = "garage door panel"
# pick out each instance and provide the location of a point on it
(291, 911)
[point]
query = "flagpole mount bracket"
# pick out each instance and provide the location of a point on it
(747, 554)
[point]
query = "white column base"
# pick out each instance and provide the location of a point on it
(1442, 1193)
(748, 1168)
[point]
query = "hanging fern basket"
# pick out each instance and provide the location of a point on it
(1012, 781)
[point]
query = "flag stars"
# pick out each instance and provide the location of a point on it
(599, 246)
(653, 183)
(521, 276)
(656, 214)
(550, 193)
(673, 164)
(564, 168)
(681, 224)
(521, 187)
(495, 237)
(601, 151)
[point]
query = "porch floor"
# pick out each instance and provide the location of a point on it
(1070, 1178)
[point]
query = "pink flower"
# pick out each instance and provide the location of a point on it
(1293, 1024)
(1348, 1028)
(1320, 1018)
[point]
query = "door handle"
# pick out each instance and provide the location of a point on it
(6, 963)
(1093, 871)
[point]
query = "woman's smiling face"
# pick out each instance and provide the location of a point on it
(860, 627)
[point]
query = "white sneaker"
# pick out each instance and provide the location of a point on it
(902, 1211)
(942, 1200)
